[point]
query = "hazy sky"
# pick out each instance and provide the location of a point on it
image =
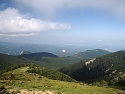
(63, 21)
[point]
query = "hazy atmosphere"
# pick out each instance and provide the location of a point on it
(62, 46)
(97, 23)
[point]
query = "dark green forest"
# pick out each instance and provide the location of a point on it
(8, 62)
(110, 68)
(38, 56)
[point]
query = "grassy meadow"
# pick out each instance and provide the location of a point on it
(20, 79)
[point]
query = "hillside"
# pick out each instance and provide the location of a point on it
(8, 62)
(50, 60)
(34, 78)
(38, 56)
(51, 74)
(106, 67)
(89, 54)
(45, 59)
(20, 81)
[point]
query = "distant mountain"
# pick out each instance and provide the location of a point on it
(46, 59)
(110, 67)
(89, 54)
(38, 56)
(15, 48)
(50, 60)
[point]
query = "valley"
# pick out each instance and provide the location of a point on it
(97, 71)
(62, 46)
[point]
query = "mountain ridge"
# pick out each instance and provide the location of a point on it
(38, 55)
(102, 68)
(89, 54)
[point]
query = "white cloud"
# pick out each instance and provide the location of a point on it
(12, 23)
(100, 40)
(116, 7)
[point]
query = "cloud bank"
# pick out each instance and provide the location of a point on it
(115, 7)
(12, 23)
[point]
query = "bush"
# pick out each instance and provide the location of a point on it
(3, 90)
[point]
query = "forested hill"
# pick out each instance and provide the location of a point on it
(38, 56)
(8, 62)
(89, 54)
(52, 61)
(99, 68)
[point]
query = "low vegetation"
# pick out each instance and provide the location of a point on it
(51, 74)
(19, 80)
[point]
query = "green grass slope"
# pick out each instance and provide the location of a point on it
(51, 74)
(20, 80)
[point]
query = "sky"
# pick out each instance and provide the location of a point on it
(72, 22)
